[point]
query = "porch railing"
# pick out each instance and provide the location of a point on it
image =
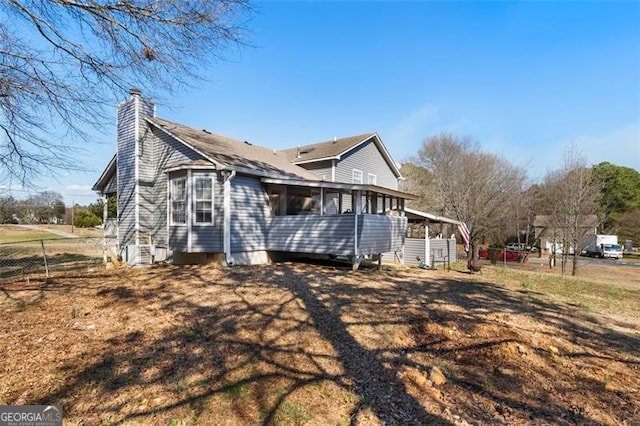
(335, 234)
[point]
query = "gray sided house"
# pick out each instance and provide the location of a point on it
(190, 195)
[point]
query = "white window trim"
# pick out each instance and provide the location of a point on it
(353, 176)
(372, 179)
(172, 181)
(195, 200)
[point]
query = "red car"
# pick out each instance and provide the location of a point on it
(500, 255)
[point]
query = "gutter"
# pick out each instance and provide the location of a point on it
(226, 239)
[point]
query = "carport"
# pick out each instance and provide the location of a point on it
(427, 239)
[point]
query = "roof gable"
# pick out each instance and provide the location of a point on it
(227, 152)
(337, 148)
(107, 174)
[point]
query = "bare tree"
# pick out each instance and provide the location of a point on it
(468, 184)
(418, 181)
(574, 194)
(63, 63)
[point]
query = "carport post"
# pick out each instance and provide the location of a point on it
(427, 246)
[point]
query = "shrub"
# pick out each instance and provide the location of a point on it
(86, 219)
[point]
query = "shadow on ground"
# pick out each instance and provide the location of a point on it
(307, 343)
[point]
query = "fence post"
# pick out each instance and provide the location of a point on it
(44, 255)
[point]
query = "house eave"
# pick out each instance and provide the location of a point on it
(183, 167)
(104, 177)
(241, 170)
(431, 217)
(316, 160)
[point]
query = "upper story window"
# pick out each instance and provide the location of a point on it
(178, 195)
(372, 179)
(203, 197)
(357, 176)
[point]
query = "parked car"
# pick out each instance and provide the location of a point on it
(511, 255)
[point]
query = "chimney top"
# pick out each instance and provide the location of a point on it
(134, 91)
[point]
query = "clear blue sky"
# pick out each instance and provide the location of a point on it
(522, 78)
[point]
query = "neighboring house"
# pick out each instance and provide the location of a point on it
(195, 196)
(551, 235)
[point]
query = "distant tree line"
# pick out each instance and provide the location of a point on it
(453, 177)
(45, 207)
(48, 208)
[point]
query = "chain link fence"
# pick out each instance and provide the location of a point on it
(48, 257)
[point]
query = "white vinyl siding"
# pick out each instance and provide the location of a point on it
(372, 179)
(356, 176)
(178, 198)
(203, 198)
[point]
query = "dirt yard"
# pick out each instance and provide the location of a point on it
(316, 344)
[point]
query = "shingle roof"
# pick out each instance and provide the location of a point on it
(242, 156)
(328, 149)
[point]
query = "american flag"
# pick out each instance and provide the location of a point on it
(463, 228)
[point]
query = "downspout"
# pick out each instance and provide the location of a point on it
(356, 204)
(105, 214)
(189, 211)
(226, 238)
(404, 237)
(333, 170)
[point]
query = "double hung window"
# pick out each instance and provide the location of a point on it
(178, 196)
(203, 197)
(357, 176)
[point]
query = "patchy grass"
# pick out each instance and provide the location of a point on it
(13, 234)
(17, 234)
(317, 344)
(596, 295)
